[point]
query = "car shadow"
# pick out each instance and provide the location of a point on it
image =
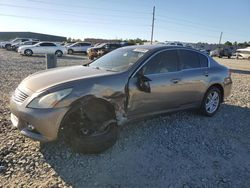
(240, 71)
(175, 149)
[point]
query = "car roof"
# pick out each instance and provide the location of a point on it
(158, 47)
(46, 42)
(151, 49)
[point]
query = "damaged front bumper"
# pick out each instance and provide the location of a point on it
(37, 124)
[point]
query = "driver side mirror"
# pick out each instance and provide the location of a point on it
(143, 82)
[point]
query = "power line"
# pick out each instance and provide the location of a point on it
(187, 32)
(166, 18)
(195, 24)
(186, 24)
(75, 13)
(70, 21)
(89, 7)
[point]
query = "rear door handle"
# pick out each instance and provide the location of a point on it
(205, 74)
(175, 81)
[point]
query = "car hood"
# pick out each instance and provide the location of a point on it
(45, 79)
(16, 43)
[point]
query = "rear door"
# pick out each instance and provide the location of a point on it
(50, 48)
(195, 74)
(46, 48)
(77, 47)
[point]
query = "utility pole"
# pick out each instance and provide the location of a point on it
(153, 25)
(220, 37)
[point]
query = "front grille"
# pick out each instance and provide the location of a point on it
(20, 96)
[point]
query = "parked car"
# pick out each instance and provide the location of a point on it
(65, 44)
(221, 52)
(224, 52)
(243, 53)
(8, 44)
(78, 47)
(84, 104)
(207, 52)
(15, 46)
(214, 53)
(43, 48)
(174, 44)
(100, 50)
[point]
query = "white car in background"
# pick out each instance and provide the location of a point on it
(15, 46)
(78, 47)
(43, 48)
(7, 44)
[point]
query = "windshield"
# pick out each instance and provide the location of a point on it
(119, 60)
(15, 40)
(100, 45)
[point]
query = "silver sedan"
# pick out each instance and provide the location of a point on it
(85, 104)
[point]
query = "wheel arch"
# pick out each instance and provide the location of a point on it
(220, 87)
(58, 50)
(93, 105)
(28, 49)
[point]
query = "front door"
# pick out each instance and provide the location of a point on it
(157, 86)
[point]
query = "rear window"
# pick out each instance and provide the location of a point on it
(189, 59)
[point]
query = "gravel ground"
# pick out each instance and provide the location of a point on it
(182, 149)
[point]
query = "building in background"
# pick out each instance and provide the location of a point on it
(42, 37)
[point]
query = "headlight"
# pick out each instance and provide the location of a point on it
(49, 100)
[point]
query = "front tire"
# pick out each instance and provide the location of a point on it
(28, 52)
(70, 51)
(59, 53)
(85, 136)
(8, 47)
(211, 102)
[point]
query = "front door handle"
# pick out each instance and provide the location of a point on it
(175, 81)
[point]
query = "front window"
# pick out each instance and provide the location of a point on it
(164, 62)
(119, 60)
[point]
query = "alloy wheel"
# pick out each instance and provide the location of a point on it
(212, 102)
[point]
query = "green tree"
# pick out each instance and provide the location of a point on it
(69, 39)
(228, 43)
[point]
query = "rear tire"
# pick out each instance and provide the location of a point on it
(211, 102)
(28, 52)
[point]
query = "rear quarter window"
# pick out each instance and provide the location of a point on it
(203, 60)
